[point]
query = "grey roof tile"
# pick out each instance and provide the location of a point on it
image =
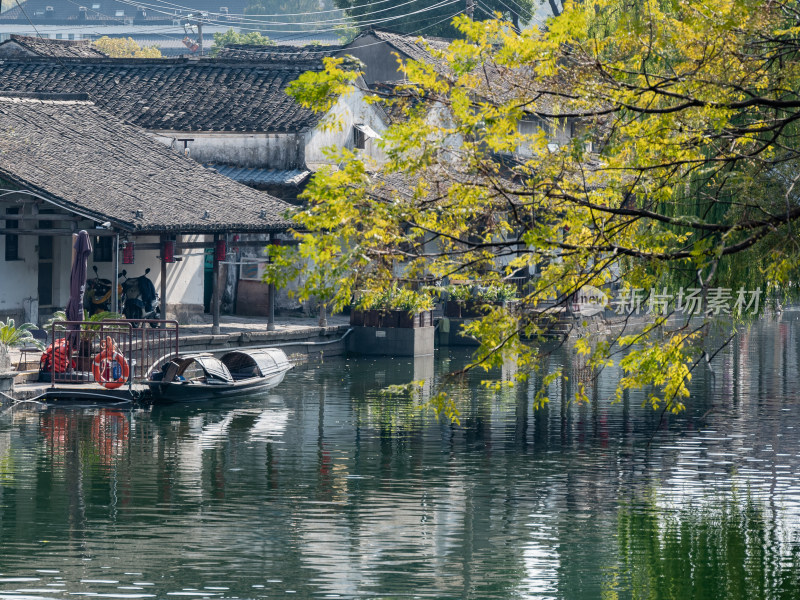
(174, 94)
(278, 53)
(292, 177)
(45, 47)
(415, 47)
(84, 159)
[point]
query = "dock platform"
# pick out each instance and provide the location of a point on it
(299, 337)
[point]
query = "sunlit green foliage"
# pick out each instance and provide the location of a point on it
(728, 548)
(12, 335)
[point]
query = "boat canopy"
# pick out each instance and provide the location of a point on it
(255, 363)
(194, 367)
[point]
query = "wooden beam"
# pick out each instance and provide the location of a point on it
(163, 284)
(43, 217)
(38, 232)
(216, 298)
(201, 245)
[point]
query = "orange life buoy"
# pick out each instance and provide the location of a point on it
(103, 367)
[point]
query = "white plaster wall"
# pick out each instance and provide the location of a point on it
(273, 151)
(557, 132)
(184, 278)
(18, 278)
(350, 109)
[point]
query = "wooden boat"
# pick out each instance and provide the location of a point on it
(200, 377)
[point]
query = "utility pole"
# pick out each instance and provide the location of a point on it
(196, 20)
(470, 8)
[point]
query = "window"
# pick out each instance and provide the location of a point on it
(58, 36)
(12, 241)
(103, 249)
(362, 133)
(95, 7)
(359, 139)
(119, 13)
(72, 36)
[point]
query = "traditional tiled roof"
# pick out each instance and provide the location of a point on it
(415, 47)
(174, 94)
(81, 158)
(493, 83)
(276, 53)
(22, 45)
(288, 177)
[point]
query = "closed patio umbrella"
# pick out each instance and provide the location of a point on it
(77, 284)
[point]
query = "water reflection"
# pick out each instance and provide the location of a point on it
(326, 487)
(732, 548)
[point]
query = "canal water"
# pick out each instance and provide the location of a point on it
(329, 488)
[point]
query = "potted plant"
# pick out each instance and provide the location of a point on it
(412, 309)
(457, 298)
(466, 301)
(393, 307)
(12, 335)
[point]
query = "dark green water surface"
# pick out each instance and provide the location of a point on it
(325, 489)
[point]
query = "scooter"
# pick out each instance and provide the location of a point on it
(98, 294)
(140, 299)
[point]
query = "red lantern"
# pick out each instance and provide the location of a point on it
(220, 250)
(128, 253)
(168, 253)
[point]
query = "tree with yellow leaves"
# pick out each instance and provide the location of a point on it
(678, 178)
(125, 48)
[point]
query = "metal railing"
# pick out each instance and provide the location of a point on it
(77, 351)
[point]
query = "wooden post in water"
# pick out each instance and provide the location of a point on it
(216, 298)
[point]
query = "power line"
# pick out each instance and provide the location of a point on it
(440, 4)
(39, 35)
(447, 18)
(151, 30)
(301, 14)
(256, 21)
